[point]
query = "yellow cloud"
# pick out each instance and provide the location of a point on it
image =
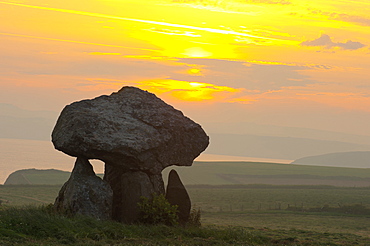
(174, 32)
(189, 91)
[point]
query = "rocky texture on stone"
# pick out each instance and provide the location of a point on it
(85, 193)
(176, 194)
(136, 135)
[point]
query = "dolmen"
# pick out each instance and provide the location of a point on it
(136, 135)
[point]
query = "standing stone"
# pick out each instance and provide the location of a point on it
(176, 194)
(85, 193)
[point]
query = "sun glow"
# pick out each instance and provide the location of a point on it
(197, 52)
(196, 84)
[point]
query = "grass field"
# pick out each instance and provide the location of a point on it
(260, 214)
(219, 173)
(271, 197)
(19, 195)
(257, 206)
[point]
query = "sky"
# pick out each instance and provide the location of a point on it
(290, 63)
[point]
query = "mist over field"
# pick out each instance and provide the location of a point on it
(254, 142)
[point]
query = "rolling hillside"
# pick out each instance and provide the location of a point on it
(37, 177)
(228, 173)
(358, 159)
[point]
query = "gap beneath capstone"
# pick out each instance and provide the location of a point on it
(98, 166)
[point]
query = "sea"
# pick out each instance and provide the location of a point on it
(17, 154)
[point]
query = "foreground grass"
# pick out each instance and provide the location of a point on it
(39, 226)
(232, 215)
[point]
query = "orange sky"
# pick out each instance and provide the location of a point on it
(280, 62)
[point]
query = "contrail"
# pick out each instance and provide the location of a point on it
(211, 30)
(73, 41)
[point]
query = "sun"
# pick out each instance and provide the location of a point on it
(196, 84)
(194, 72)
(196, 52)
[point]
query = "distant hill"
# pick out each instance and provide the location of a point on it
(224, 173)
(356, 159)
(37, 177)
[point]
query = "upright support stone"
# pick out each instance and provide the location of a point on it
(134, 186)
(85, 193)
(176, 194)
(128, 188)
(113, 175)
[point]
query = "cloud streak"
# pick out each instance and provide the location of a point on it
(73, 41)
(364, 21)
(159, 23)
(325, 41)
(218, 3)
(254, 77)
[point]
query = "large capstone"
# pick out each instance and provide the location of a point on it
(85, 193)
(132, 128)
(136, 135)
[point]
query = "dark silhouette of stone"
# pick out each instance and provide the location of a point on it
(134, 186)
(134, 133)
(85, 193)
(176, 194)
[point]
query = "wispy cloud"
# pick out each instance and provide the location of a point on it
(73, 41)
(281, 2)
(240, 7)
(254, 76)
(174, 32)
(159, 23)
(325, 41)
(218, 3)
(364, 21)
